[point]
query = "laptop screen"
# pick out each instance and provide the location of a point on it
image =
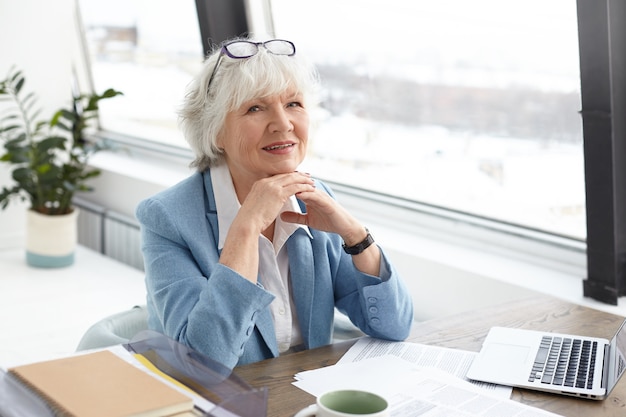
(618, 360)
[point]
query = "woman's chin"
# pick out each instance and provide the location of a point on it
(285, 168)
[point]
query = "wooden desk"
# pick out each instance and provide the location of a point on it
(463, 331)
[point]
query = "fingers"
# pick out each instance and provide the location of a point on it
(285, 180)
(267, 196)
(318, 200)
(293, 217)
(283, 186)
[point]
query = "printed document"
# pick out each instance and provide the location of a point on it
(453, 361)
(417, 380)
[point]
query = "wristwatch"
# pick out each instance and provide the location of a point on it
(359, 247)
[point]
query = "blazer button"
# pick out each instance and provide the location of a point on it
(373, 310)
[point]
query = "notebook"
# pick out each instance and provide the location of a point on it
(559, 363)
(100, 384)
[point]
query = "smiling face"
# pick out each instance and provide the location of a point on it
(265, 137)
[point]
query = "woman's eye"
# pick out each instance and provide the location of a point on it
(294, 104)
(253, 109)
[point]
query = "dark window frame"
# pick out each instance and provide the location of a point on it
(220, 20)
(602, 39)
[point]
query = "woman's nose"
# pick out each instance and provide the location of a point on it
(281, 122)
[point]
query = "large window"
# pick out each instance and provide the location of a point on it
(470, 106)
(149, 51)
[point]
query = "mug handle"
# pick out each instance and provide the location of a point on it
(310, 411)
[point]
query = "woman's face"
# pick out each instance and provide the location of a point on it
(265, 136)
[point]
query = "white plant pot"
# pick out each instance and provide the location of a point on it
(51, 240)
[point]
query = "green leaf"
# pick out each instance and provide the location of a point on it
(71, 116)
(23, 174)
(9, 128)
(19, 85)
(63, 126)
(52, 142)
(16, 155)
(16, 75)
(111, 93)
(43, 169)
(55, 118)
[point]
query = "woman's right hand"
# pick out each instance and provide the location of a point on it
(268, 195)
(257, 213)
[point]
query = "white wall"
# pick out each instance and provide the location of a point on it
(38, 37)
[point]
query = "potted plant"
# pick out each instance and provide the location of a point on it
(49, 161)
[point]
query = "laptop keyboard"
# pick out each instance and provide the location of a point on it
(565, 362)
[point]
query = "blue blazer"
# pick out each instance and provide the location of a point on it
(197, 301)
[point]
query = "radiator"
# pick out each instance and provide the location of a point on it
(112, 234)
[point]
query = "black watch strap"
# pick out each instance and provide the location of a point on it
(359, 247)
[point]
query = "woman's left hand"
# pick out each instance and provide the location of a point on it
(325, 213)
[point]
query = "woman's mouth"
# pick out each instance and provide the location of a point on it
(278, 147)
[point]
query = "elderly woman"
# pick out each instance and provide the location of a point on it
(248, 257)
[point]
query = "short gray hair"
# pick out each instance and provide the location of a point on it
(236, 81)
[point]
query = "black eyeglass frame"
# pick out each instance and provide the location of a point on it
(225, 51)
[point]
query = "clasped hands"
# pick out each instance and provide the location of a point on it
(268, 195)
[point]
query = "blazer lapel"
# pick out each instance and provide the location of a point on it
(211, 208)
(301, 269)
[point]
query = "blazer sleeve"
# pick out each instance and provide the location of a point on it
(381, 306)
(192, 298)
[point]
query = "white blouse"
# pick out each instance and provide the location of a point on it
(273, 257)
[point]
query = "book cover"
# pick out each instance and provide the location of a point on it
(101, 384)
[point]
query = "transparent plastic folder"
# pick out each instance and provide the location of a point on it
(17, 401)
(231, 395)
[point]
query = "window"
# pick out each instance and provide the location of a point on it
(149, 51)
(469, 106)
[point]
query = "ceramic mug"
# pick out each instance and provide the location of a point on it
(347, 403)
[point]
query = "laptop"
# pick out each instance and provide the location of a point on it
(580, 366)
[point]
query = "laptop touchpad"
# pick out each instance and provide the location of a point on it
(504, 360)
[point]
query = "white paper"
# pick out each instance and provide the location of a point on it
(417, 380)
(433, 393)
(453, 361)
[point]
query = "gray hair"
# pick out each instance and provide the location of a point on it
(236, 81)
